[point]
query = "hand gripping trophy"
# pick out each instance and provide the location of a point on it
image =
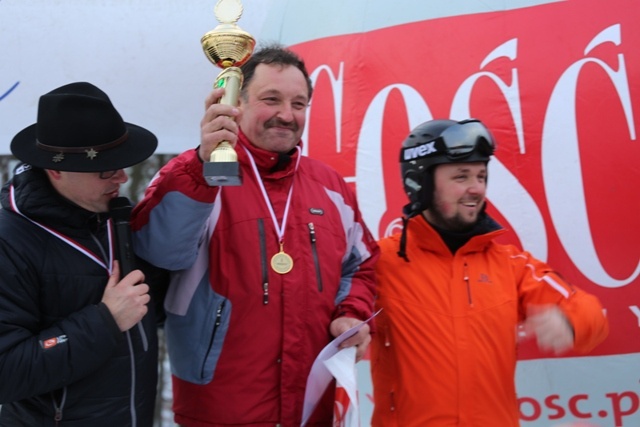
(228, 47)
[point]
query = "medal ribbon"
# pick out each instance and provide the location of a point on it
(69, 241)
(279, 229)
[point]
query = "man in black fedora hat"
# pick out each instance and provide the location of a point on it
(78, 342)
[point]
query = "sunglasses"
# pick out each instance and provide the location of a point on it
(108, 174)
(456, 142)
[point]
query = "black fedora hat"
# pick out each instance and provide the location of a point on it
(79, 130)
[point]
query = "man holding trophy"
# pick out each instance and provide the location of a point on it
(268, 265)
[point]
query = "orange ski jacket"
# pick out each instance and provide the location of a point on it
(444, 353)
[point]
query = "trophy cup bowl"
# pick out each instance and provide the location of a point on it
(228, 47)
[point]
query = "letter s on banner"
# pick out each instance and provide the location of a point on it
(506, 193)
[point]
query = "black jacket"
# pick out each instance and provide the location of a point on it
(62, 356)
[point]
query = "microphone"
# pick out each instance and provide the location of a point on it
(120, 209)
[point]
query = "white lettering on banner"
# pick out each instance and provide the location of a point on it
(621, 405)
(506, 193)
(460, 104)
(571, 389)
(337, 84)
(563, 180)
(369, 151)
(563, 183)
(635, 310)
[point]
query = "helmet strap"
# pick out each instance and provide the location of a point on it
(402, 251)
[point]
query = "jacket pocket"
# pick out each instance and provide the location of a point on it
(194, 340)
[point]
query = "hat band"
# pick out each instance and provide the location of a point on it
(101, 147)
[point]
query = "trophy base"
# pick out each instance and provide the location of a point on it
(222, 173)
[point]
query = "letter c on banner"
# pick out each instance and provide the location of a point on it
(337, 84)
(563, 183)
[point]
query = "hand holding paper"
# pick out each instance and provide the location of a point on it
(361, 338)
(320, 375)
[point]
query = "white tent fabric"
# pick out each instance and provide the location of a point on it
(147, 55)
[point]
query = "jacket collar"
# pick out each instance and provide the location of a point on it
(271, 165)
(427, 237)
(36, 198)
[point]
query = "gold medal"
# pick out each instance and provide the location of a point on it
(282, 263)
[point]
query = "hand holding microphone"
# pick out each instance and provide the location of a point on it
(126, 299)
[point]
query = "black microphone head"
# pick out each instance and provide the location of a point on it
(120, 208)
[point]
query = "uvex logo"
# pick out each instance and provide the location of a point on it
(418, 151)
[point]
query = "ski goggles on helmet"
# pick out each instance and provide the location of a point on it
(456, 142)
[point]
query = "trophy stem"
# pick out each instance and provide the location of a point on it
(231, 80)
(224, 152)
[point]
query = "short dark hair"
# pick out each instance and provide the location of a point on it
(277, 55)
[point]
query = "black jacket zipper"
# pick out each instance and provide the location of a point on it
(263, 262)
(58, 408)
(314, 253)
(217, 323)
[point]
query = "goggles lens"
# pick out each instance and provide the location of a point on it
(456, 142)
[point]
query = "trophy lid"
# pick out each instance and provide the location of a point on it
(228, 45)
(228, 11)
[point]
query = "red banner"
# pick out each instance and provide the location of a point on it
(558, 84)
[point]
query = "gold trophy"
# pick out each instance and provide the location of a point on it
(228, 47)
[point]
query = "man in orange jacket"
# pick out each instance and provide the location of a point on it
(445, 349)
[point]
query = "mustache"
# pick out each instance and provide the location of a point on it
(276, 122)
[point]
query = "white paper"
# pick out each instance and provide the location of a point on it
(343, 368)
(320, 377)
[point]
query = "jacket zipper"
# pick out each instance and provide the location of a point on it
(263, 262)
(58, 408)
(314, 252)
(132, 395)
(466, 279)
(217, 323)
